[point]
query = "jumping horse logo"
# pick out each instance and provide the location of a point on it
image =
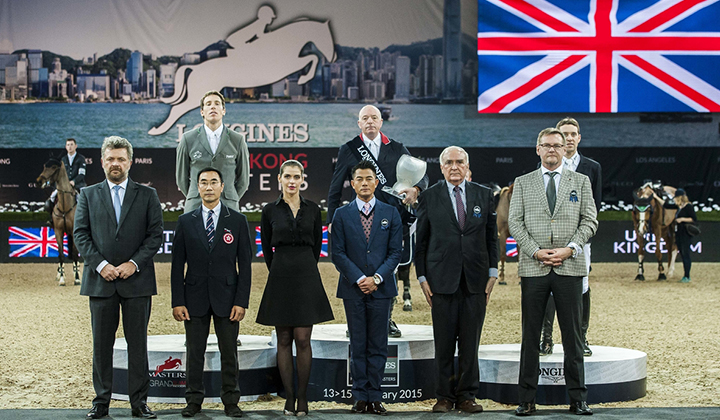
(257, 58)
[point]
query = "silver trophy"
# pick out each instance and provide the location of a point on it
(409, 171)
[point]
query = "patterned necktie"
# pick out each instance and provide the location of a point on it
(366, 208)
(117, 205)
(210, 228)
(551, 194)
(460, 207)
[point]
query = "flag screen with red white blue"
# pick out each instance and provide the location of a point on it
(34, 242)
(323, 248)
(598, 56)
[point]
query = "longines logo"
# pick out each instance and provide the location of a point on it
(5, 161)
(257, 57)
(554, 375)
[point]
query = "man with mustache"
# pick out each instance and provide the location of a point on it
(374, 146)
(118, 230)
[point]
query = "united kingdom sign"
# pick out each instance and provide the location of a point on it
(598, 56)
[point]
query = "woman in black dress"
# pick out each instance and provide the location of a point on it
(294, 298)
(685, 215)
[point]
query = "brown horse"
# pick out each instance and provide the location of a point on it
(502, 210)
(650, 217)
(63, 215)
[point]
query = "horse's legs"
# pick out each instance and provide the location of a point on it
(311, 73)
(659, 255)
(641, 257)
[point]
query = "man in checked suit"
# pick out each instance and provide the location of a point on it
(457, 268)
(366, 248)
(552, 215)
(214, 243)
(574, 161)
(212, 145)
(118, 230)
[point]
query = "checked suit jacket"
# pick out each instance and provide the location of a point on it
(533, 226)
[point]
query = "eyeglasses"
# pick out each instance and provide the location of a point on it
(557, 147)
(205, 184)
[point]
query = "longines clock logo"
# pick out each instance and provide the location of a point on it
(256, 58)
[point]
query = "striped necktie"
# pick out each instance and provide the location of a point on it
(210, 228)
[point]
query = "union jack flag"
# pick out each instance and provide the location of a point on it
(323, 248)
(598, 56)
(511, 247)
(34, 242)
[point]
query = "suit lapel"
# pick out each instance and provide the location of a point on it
(130, 194)
(470, 203)
(540, 184)
(200, 227)
(563, 194)
(222, 223)
(204, 140)
(106, 200)
(224, 139)
(379, 215)
(445, 199)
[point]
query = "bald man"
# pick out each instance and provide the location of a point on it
(371, 144)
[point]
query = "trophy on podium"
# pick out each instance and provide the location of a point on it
(409, 171)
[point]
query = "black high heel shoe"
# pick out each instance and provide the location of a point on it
(289, 409)
(302, 409)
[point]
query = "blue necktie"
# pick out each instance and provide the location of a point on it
(117, 205)
(210, 228)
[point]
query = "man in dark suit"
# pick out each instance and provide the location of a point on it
(75, 167)
(366, 248)
(374, 146)
(216, 146)
(552, 214)
(456, 264)
(213, 241)
(118, 230)
(574, 161)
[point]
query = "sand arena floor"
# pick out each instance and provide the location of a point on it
(45, 338)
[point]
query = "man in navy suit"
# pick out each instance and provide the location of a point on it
(577, 162)
(366, 248)
(457, 268)
(213, 242)
(118, 230)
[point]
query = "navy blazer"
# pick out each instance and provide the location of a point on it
(217, 277)
(138, 237)
(354, 257)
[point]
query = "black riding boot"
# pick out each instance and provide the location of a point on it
(586, 322)
(49, 206)
(546, 346)
(403, 274)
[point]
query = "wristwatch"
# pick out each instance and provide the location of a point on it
(377, 279)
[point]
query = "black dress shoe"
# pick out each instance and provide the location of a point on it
(586, 349)
(546, 348)
(393, 330)
(144, 412)
(190, 410)
(376, 407)
(232, 410)
(525, 409)
(98, 411)
(359, 407)
(580, 408)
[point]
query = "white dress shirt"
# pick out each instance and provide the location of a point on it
(213, 137)
(71, 158)
(373, 144)
(216, 214)
(572, 162)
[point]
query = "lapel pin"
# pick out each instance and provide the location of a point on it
(384, 223)
(228, 238)
(573, 196)
(197, 154)
(476, 211)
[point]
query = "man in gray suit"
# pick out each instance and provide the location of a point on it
(118, 230)
(552, 216)
(212, 145)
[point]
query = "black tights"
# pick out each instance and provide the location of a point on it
(285, 338)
